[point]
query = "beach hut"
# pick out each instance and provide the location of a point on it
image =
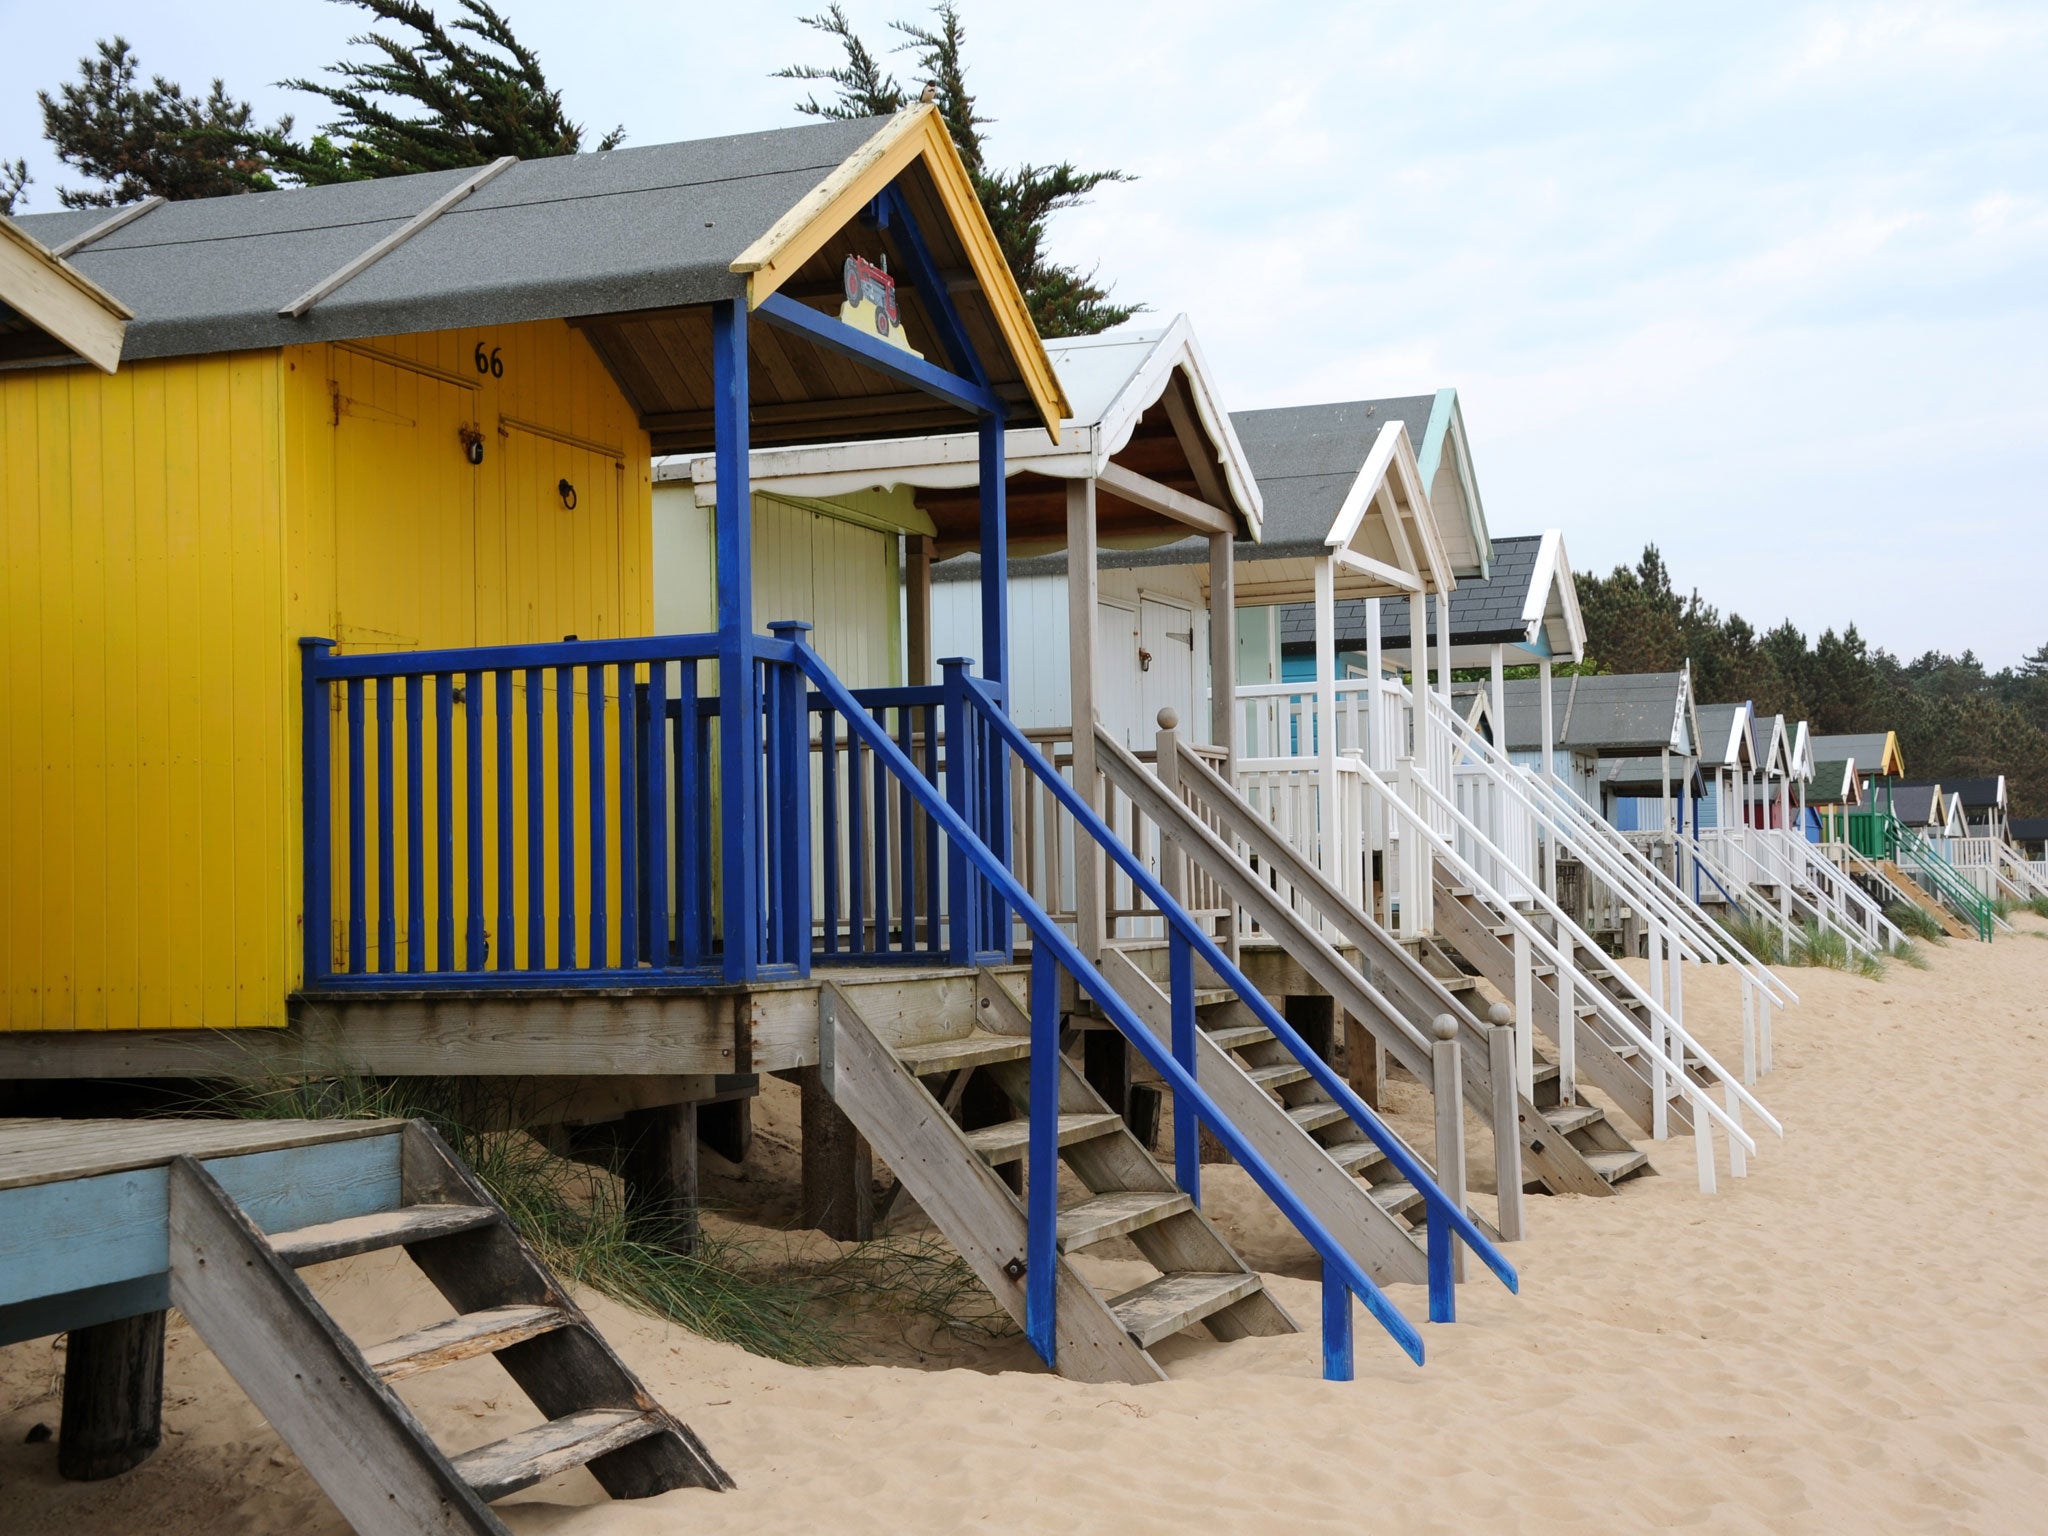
(342, 735)
(417, 415)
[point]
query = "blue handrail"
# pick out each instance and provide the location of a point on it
(1186, 929)
(1341, 1272)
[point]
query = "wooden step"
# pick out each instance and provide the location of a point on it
(1316, 1114)
(1007, 1142)
(1397, 1197)
(1163, 1307)
(1356, 1156)
(1566, 1118)
(1615, 1166)
(1278, 1075)
(537, 1454)
(461, 1338)
(1235, 1037)
(381, 1229)
(1098, 1219)
(976, 1050)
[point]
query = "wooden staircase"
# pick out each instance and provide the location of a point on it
(1483, 940)
(331, 1398)
(1951, 925)
(1328, 1161)
(900, 1084)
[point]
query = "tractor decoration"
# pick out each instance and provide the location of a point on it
(871, 302)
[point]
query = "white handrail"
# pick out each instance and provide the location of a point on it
(1603, 1001)
(1841, 892)
(1562, 814)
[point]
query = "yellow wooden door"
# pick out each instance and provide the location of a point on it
(556, 552)
(405, 506)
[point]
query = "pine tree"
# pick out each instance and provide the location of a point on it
(1063, 300)
(152, 141)
(478, 100)
(14, 180)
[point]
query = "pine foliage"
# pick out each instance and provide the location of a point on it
(432, 98)
(1064, 300)
(140, 141)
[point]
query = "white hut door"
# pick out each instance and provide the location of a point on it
(1119, 697)
(1166, 660)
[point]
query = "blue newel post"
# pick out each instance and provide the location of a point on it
(994, 828)
(739, 703)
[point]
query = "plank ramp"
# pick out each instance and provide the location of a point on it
(330, 1398)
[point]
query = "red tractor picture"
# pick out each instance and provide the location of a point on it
(871, 297)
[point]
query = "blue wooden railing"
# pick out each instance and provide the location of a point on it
(539, 814)
(889, 890)
(1053, 950)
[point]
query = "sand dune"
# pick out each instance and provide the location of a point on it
(1853, 1338)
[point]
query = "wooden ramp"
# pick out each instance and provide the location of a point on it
(227, 1254)
(902, 1087)
(1918, 894)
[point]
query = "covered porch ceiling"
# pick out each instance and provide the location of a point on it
(1144, 425)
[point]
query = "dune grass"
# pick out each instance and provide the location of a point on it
(1916, 922)
(767, 1302)
(1810, 945)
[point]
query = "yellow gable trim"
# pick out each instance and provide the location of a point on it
(58, 299)
(915, 133)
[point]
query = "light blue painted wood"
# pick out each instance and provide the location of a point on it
(45, 1315)
(75, 1234)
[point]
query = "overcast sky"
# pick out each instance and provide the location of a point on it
(1766, 284)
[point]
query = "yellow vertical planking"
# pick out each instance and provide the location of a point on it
(166, 536)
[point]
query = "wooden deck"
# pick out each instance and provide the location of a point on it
(84, 1204)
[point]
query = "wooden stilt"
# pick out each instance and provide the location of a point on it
(838, 1169)
(113, 1397)
(1366, 1063)
(658, 1161)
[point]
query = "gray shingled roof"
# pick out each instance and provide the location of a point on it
(1307, 457)
(1911, 803)
(1976, 794)
(1304, 457)
(1717, 726)
(1619, 716)
(1867, 749)
(1482, 612)
(586, 234)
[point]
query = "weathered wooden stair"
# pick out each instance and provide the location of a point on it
(331, 1399)
(898, 1087)
(1468, 924)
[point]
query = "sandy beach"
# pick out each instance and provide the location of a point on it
(1853, 1338)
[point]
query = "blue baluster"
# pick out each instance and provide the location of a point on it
(963, 892)
(1042, 1171)
(444, 821)
(358, 881)
(600, 944)
(536, 824)
(507, 853)
(654, 743)
(1187, 1134)
(629, 822)
(315, 815)
(415, 823)
(828, 736)
(565, 816)
(1336, 1326)
(387, 814)
(1443, 1290)
(473, 788)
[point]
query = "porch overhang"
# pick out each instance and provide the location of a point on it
(50, 312)
(1146, 428)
